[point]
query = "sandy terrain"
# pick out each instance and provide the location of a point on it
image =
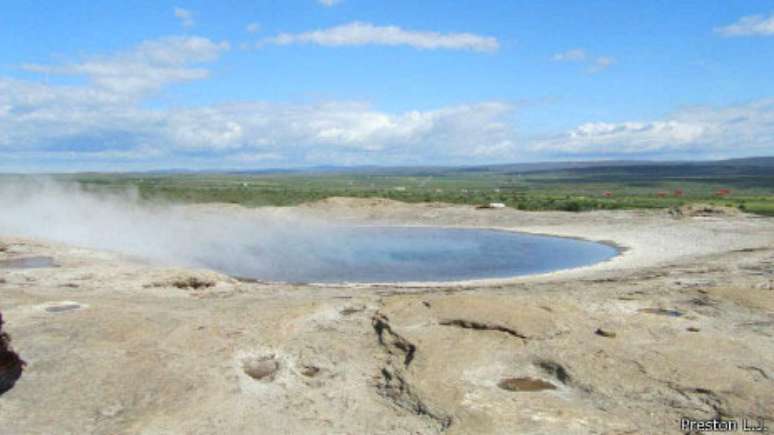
(679, 325)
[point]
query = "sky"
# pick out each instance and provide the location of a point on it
(155, 84)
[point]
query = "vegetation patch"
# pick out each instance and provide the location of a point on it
(745, 186)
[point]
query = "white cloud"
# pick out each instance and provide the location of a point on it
(579, 55)
(185, 16)
(236, 130)
(745, 129)
(107, 119)
(147, 67)
(753, 25)
(329, 3)
(574, 55)
(253, 28)
(600, 64)
(357, 33)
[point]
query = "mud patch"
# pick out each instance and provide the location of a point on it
(262, 368)
(28, 263)
(525, 384)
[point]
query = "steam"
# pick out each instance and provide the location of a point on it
(277, 244)
(259, 242)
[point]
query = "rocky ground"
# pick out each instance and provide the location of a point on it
(680, 325)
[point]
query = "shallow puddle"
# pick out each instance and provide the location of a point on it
(28, 263)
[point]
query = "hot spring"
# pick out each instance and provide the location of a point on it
(275, 244)
(396, 254)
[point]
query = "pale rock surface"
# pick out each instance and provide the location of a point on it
(116, 345)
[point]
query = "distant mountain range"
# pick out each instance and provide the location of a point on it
(749, 164)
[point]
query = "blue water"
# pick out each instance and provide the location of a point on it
(394, 254)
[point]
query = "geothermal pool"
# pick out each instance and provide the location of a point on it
(396, 254)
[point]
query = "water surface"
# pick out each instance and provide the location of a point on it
(395, 254)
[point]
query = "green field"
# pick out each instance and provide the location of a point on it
(570, 189)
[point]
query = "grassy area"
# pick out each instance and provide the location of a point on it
(761, 207)
(569, 190)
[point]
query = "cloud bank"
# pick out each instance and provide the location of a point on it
(744, 129)
(103, 120)
(107, 119)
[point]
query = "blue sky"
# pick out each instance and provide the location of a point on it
(249, 84)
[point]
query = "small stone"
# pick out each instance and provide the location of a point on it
(692, 329)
